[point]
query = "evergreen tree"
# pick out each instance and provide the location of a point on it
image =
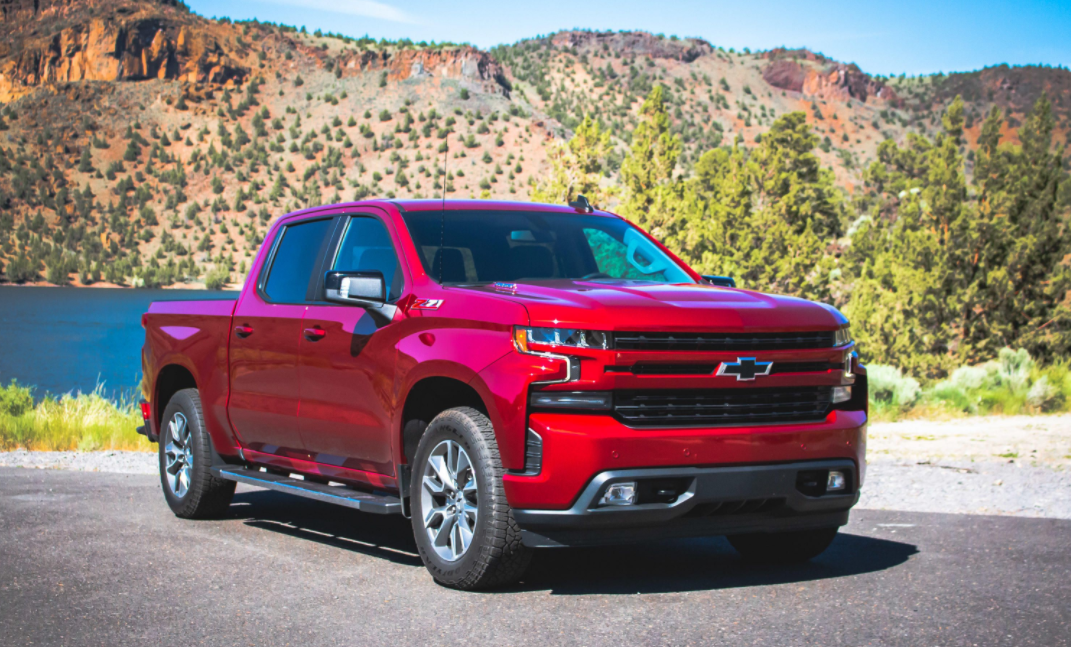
(648, 170)
(576, 167)
(907, 257)
(1019, 280)
(85, 164)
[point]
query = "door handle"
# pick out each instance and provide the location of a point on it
(315, 334)
(243, 331)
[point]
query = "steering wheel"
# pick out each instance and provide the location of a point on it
(596, 275)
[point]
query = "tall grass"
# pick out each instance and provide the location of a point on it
(1011, 384)
(79, 421)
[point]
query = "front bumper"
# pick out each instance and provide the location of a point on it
(577, 448)
(712, 501)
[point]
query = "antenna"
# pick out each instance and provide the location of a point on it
(442, 222)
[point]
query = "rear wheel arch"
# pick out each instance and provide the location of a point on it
(170, 380)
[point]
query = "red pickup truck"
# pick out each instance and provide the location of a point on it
(509, 376)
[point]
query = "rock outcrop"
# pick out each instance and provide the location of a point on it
(146, 40)
(814, 75)
(474, 68)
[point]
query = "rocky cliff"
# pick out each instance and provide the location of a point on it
(814, 75)
(62, 42)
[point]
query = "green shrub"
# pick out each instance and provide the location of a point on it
(15, 400)
(890, 389)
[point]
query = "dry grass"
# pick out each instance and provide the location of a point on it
(80, 421)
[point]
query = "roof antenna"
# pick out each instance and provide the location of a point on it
(442, 223)
(581, 204)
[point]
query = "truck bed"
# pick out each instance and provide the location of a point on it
(194, 335)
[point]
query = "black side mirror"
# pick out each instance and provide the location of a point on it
(356, 288)
(723, 281)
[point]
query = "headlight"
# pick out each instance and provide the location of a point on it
(524, 337)
(843, 336)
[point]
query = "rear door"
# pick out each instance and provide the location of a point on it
(266, 341)
(347, 359)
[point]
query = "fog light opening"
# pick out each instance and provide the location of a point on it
(841, 394)
(836, 482)
(620, 494)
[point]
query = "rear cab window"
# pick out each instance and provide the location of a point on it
(293, 265)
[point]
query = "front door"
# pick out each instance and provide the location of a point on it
(266, 342)
(347, 361)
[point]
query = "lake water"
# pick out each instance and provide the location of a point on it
(69, 339)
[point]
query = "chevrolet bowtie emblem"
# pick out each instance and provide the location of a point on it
(745, 368)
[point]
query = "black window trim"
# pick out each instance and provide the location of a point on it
(328, 259)
(317, 277)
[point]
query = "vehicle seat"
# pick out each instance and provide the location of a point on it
(450, 265)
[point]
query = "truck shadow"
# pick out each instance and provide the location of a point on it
(699, 564)
(669, 566)
(380, 536)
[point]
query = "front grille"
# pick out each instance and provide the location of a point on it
(648, 368)
(722, 341)
(744, 406)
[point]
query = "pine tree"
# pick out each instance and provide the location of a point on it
(85, 164)
(648, 170)
(576, 167)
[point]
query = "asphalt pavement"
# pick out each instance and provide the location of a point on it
(98, 559)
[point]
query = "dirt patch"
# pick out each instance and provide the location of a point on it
(1030, 440)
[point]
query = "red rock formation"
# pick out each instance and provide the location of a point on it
(475, 68)
(138, 41)
(833, 81)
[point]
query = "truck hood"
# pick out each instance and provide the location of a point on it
(644, 306)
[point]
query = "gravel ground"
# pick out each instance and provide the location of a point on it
(105, 461)
(1015, 465)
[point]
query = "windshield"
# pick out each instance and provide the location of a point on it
(493, 246)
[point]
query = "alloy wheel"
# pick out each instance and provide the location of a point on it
(449, 500)
(178, 455)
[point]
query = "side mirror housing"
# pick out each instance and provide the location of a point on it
(723, 281)
(356, 288)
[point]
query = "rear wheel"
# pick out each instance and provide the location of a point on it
(189, 486)
(464, 528)
(783, 547)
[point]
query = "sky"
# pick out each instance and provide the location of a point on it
(909, 36)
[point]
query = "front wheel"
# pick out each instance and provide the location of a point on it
(790, 547)
(464, 527)
(191, 490)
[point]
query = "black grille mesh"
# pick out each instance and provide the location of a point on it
(722, 341)
(695, 407)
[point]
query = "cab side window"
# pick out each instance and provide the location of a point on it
(367, 246)
(295, 257)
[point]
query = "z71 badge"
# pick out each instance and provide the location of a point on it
(427, 304)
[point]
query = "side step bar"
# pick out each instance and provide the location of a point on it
(338, 495)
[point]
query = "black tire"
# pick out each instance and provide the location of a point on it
(783, 547)
(204, 496)
(495, 555)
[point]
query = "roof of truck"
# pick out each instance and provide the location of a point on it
(454, 205)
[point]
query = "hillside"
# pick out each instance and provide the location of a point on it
(143, 144)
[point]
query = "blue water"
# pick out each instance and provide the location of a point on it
(70, 339)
